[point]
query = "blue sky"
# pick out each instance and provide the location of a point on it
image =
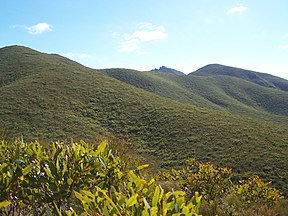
(145, 34)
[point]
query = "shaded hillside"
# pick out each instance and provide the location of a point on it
(168, 70)
(62, 100)
(262, 79)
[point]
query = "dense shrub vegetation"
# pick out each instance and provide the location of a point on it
(78, 179)
(82, 179)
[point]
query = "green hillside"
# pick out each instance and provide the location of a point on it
(13, 63)
(221, 92)
(262, 79)
(48, 97)
(163, 84)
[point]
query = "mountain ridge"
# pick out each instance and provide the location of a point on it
(263, 79)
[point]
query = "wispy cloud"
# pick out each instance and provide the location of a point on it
(284, 47)
(39, 28)
(149, 32)
(129, 45)
(76, 56)
(145, 32)
(237, 9)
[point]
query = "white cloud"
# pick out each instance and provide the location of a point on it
(76, 56)
(286, 34)
(149, 32)
(129, 46)
(39, 28)
(284, 47)
(237, 9)
(145, 32)
(149, 35)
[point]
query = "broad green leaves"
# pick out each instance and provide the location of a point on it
(4, 204)
(80, 179)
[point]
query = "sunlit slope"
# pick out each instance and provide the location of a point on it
(73, 101)
(17, 62)
(163, 84)
(220, 92)
(262, 79)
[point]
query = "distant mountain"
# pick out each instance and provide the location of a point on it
(168, 70)
(166, 118)
(262, 79)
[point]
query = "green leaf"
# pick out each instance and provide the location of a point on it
(155, 198)
(83, 199)
(69, 213)
(64, 169)
(132, 201)
(27, 169)
(101, 148)
(154, 211)
(3, 166)
(142, 166)
(132, 176)
(145, 212)
(69, 181)
(88, 193)
(48, 172)
(4, 204)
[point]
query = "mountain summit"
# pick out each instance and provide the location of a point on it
(168, 70)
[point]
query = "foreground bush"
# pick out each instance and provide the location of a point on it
(222, 196)
(78, 179)
(82, 179)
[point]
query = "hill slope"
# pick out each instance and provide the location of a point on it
(224, 93)
(262, 79)
(14, 59)
(61, 99)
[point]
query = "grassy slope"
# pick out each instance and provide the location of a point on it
(163, 84)
(62, 101)
(214, 92)
(13, 63)
(262, 79)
